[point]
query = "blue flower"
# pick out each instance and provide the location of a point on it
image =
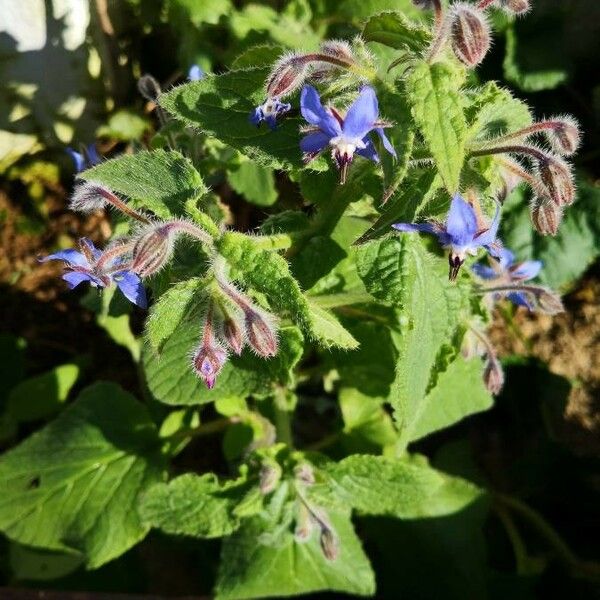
(461, 233)
(88, 265)
(268, 112)
(85, 159)
(347, 135)
(196, 73)
(505, 271)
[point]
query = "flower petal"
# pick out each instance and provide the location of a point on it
(369, 150)
(362, 114)
(78, 160)
(74, 278)
(526, 270)
(462, 222)
(132, 287)
(488, 237)
(256, 116)
(195, 73)
(93, 158)
(519, 299)
(484, 272)
(69, 255)
(316, 114)
(386, 142)
(505, 258)
(314, 142)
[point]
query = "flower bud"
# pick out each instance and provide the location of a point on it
(287, 75)
(149, 88)
(564, 135)
(545, 215)
(338, 49)
(210, 357)
(233, 335)
(515, 7)
(330, 543)
(270, 474)
(470, 34)
(557, 178)
(493, 375)
(304, 473)
(153, 250)
(260, 331)
(549, 302)
(304, 524)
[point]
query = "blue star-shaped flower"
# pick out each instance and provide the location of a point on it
(268, 112)
(506, 271)
(347, 135)
(87, 266)
(461, 233)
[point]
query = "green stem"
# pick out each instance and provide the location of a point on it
(283, 426)
(209, 428)
(518, 546)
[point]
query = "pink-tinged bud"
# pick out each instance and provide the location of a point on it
(89, 197)
(304, 473)
(304, 524)
(149, 88)
(557, 178)
(470, 33)
(261, 332)
(338, 49)
(330, 543)
(545, 215)
(208, 362)
(153, 250)
(269, 477)
(287, 75)
(233, 335)
(493, 375)
(564, 135)
(515, 7)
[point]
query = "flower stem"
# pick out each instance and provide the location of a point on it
(440, 32)
(530, 150)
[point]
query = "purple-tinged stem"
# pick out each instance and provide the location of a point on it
(440, 32)
(115, 201)
(530, 150)
(526, 131)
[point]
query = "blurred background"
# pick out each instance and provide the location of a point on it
(69, 71)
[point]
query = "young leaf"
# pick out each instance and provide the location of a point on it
(171, 380)
(219, 105)
(160, 181)
(253, 565)
(437, 110)
(255, 182)
(200, 506)
(458, 393)
(74, 485)
(394, 29)
(375, 485)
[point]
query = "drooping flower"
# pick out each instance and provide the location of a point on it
(505, 271)
(268, 112)
(345, 135)
(88, 157)
(461, 234)
(100, 269)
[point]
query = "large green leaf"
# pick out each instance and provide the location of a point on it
(171, 380)
(375, 485)
(219, 105)
(253, 565)
(394, 29)
(160, 181)
(433, 92)
(255, 182)
(459, 392)
(200, 506)
(74, 485)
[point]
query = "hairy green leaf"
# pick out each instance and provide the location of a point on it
(394, 29)
(74, 485)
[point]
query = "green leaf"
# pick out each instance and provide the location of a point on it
(253, 565)
(262, 55)
(375, 485)
(124, 126)
(255, 182)
(358, 10)
(39, 565)
(160, 181)
(567, 255)
(399, 271)
(219, 105)
(269, 273)
(171, 380)
(207, 11)
(433, 91)
(74, 485)
(177, 304)
(200, 506)
(43, 395)
(459, 392)
(394, 29)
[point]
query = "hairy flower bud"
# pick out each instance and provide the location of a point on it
(564, 135)
(330, 543)
(557, 178)
(545, 215)
(470, 34)
(153, 249)
(305, 474)
(149, 88)
(208, 362)
(493, 375)
(270, 474)
(304, 523)
(260, 331)
(287, 75)
(515, 7)
(549, 302)
(337, 49)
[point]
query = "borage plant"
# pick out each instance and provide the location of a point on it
(339, 302)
